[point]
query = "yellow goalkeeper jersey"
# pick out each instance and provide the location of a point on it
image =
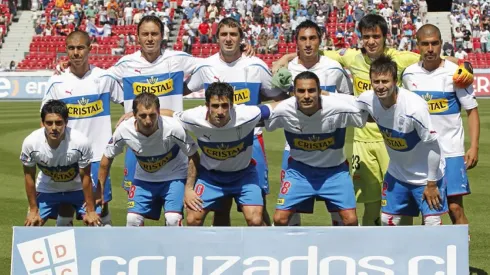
(358, 64)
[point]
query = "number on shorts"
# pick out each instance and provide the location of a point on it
(131, 191)
(356, 162)
(285, 187)
(199, 189)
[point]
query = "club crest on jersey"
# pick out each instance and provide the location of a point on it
(223, 151)
(241, 96)
(154, 86)
(84, 108)
(60, 173)
(314, 143)
(438, 105)
(154, 163)
(394, 143)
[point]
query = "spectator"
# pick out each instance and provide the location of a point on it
(166, 35)
(262, 47)
(276, 12)
(121, 46)
(448, 49)
(484, 40)
(321, 20)
(423, 10)
(358, 13)
(467, 43)
(103, 19)
(272, 44)
(137, 17)
(112, 15)
(287, 31)
(213, 11)
(204, 32)
(460, 54)
(458, 38)
(128, 14)
(235, 15)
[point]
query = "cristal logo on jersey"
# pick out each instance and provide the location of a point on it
(241, 96)
(438, 105)
(154, 163)
(154, 86)
(84, 108)
(53, 254)
(60, 173)
(362, 85)
(314, 143)
(395, 143)
(223, 151)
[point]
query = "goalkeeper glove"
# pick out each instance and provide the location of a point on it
(463, 77)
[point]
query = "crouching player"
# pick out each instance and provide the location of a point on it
(314, 126)
(63, 155)
(225, 134)
(162, 150)
(414, 182)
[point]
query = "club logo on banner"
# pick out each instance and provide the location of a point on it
(415, 250)
(50, 255)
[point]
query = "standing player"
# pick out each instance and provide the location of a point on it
(160, 145)
(431, 79)
(414, 181)
(225, 134)
(251, 81)
(87, 92)
(332, 79)
(63, 155)
(369, 157)
(314, 126)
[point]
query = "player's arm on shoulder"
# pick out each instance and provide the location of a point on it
(187, 118)
(117, 93)
(276, 114)
(118, 70)
(183, 139)
(344, 84)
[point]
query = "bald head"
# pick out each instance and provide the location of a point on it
(428, 30)
(78, 35)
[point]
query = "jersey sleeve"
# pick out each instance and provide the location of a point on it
(187, 62)
(26, 154)
(188, 117)
(116, 144)
(422, 124)
(118, 69)
(344, 84)
(195, 82)
(467, 98)
(86, 154)
(51, 91)
(351, 113)
(275, 120)
(363, 102)
(116, 89)
(405, 58)
(343, 56)
(184, 141)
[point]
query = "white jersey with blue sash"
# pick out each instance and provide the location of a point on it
(406, 128)
(228, 148)
(161, 156)
(163, 77)
(333, 77)
(88, 100)
(316, 140)
(444, 101)
(59, 167)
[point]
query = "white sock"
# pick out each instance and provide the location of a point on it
(107, 220)
(390, 220)
(432, 220)
(64, 221)
(133, 219)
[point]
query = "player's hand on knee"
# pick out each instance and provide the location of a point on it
(432, 196)
(192, 201)
(92, 219)
(124, 117)
(471, 158)
(33, 219)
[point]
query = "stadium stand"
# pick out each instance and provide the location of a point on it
(268, 26)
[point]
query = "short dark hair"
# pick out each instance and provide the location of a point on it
(81, 33)
(230, 22)
(55, 107)
(308, 75)
(151, 18)
(428, 28)
(371, 21)
(384, 64)
(306, 25)
(148, 100)
(219, 89)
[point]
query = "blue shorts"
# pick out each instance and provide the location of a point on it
(400, 198)
(242, 185)
(48, 203)
(456, 177)
(258, 154)
(129, 169)
(303, 184)
(94, 172)
(284, 163)
(148, 198)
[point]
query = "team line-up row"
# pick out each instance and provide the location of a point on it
(408, 152)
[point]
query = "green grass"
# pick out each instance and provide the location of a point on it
(20, 118)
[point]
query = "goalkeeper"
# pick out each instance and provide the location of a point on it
(369, 157)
